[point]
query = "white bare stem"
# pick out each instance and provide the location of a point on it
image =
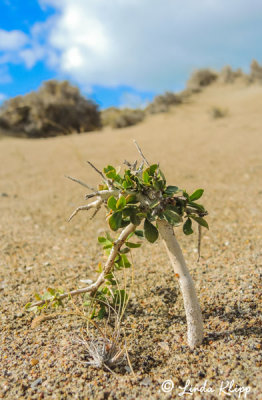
(106, 270)
(141, 153)
(192, 308)
(95, 204)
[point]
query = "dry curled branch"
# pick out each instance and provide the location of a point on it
(106, 270)
(95, 204)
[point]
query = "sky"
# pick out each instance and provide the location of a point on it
(123, 52)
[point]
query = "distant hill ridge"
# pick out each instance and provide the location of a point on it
(58, 108)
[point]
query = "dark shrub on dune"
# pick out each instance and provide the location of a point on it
(57, 108)
(121, 118)
(228, 75)
(163, 102)
(201, 78)
(255, 72)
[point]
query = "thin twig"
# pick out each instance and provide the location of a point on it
(199, 242)
(141, 153)
(89, 196)
(81, 183)
(97, 170)
(106, 270)
(95, 212)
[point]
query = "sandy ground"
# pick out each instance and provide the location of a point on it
(40, 249)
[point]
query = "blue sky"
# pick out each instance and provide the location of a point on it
(123, 52)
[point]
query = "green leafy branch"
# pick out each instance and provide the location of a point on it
(138, 196)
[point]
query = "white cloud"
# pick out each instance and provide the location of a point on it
(5, 77)
(18, 48)
(2, 97)
(150, 45)
(12, 40)
(132, 100)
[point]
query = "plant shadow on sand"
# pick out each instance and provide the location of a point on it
(242, 317)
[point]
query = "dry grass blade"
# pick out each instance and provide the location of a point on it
(104, 352)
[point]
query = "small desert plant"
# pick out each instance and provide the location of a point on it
(57, 108)
(140, 195)
(163, 102)
(121, 118)
(227, 75)
(105, 345)
(218, 112)
(201, 78)
(256, 71)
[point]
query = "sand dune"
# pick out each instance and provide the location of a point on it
(40, 249)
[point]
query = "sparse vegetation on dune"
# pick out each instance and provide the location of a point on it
(201, 78)
(218, 112)
(139, 195)
(256, 72)
(121, 118)
(57, 108)
(228, 75)
(163, 102)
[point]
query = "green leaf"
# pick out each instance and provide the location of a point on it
(170, 190)
(129, 209)
(196, 206)
(101, 239)
(27, 306)
(120, 298)
(37, 297)
(151, 170)
(130, 235)
(173, 208)
(187, 227)
(132, 245)
(158, 185)
(172, 217)
(111, 203)
(200, 221)
(185, 194)
(145, 177)
(110, 172)
(109, 245)
(124, 262)
(106, 243)
(134, 218)
(139, 233)
(124, 223)
(125, 250)
(102, 312)
(115, 220)
(162, 176)
(141, 215)
(151, 232)
(110, 278)
(196, 195)
(124, 185)
(109, 168)
(51, 291)
(121, 202)
(128, 180)
(131, 198)
(154, 203)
